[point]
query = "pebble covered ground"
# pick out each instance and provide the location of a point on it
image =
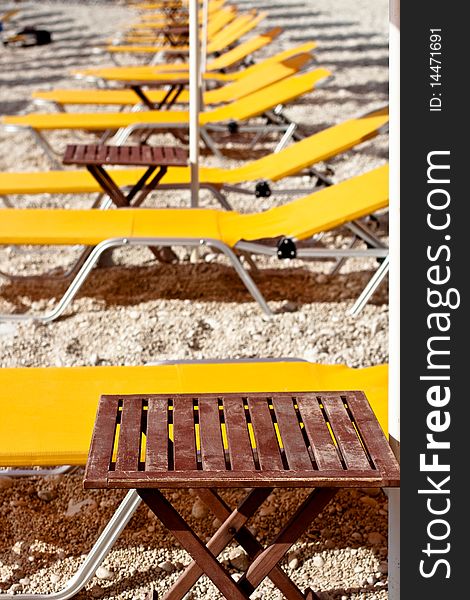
(139, 311)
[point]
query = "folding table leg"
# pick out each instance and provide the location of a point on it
(289, 534)
(250, 544)
(175, 523)
(232, 522)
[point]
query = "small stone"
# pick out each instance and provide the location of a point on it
(290, 307)
(25, 581)
(266, 510)
(17, 547)
(209, 258)
(375, 538)
(356, 536)
(96, 591)
(321, 278)
(199, 510)
(318, 562)
(369, 501)
(383, 568)
(370, 580)
(54, 578)
(238, 559)
(358, 569)
(104, 573)
(329, 544)
(6, 482)
(293, 563)
(167, 566)
(94, 359)
(46, 495)
(216, 523)
(74, 507)
(61, 554)
(134, 315)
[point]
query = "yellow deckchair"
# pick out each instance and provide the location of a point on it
(215, 23)
(252, 82)
(48, 414)
(232, 116)
(177, 70)
(226, 231)
(154, 32)
(289, 161)
(240, 26)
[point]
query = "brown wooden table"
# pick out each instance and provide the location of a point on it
(319, 440)
(95, 156)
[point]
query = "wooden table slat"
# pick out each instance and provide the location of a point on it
(212, 448)
(184, 435)
(90, 153)
(113, 155)
(344, 432)
(157, 153)
(372, 434)
(79, 152)
(146, 154)
(291, 434)
(157, 438)
(128, 452)
(199, 478)
(240, 449)
(101, 154)
(265, 435)
(323, 448)
(102, 440)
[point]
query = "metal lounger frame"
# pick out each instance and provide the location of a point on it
(376, 249)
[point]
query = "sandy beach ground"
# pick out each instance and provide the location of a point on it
(141, 311)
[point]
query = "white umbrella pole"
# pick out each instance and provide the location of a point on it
(394, 280)
(205, 20)
(194, 98)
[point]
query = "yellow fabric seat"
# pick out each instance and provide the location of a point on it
(48, 413)
(227, 59)
(318, 147)
(227, 93)
(298, 219)
(230, 34)
(248, 107)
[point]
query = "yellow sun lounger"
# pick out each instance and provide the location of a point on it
(226, 60)
(289, 161)
(227, 93)
(48, 415)
(223, 118)
(226, 231)
(240, 26)
(215, 22)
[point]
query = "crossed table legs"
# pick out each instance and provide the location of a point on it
(264, 561)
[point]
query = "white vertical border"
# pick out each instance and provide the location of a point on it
(394, 296)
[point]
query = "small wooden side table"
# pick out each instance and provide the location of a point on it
(319, 440)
